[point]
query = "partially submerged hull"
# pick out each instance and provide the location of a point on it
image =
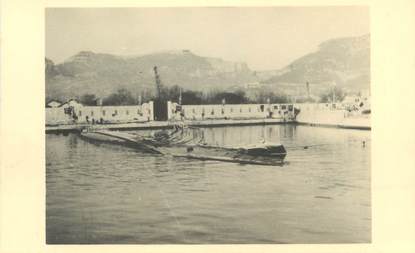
(118, 139)
(235, 155)
(264, 154)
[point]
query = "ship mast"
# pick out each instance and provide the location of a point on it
(180, 96)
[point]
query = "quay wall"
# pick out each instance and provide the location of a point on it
(161, 125)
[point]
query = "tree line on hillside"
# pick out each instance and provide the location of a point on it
(189, 97)
(338, 94)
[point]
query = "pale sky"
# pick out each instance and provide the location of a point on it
(264, 38)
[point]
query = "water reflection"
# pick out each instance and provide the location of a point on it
(225, 136)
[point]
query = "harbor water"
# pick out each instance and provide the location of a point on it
(106, 194)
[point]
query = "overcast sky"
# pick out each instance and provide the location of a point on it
(264, 38)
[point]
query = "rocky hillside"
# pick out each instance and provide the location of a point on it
(101, 74)
(345, 61)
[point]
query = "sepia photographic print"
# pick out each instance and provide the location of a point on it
(208, 125)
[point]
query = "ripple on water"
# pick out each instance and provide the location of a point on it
(111, 194)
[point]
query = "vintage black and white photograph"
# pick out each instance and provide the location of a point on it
(208, 125)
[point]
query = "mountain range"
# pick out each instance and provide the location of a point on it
(345, 61)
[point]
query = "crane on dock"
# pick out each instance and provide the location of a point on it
(158, 82)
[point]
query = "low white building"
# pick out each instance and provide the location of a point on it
(73, 112)
(356, 103)
(230, 111)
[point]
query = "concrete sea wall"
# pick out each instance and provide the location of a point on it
(331, 115)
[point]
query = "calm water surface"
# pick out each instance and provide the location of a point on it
(113, 194)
